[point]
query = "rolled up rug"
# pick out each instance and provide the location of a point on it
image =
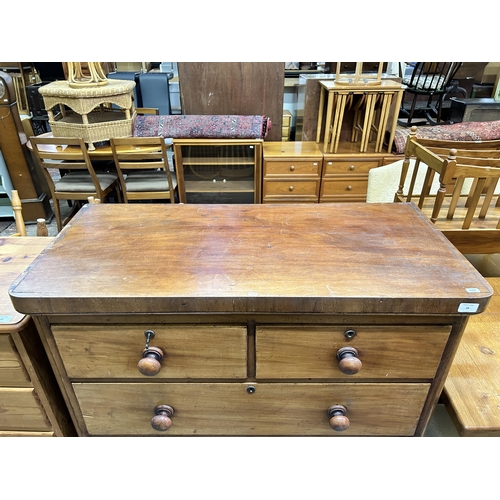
(202, 126)
(463, 131)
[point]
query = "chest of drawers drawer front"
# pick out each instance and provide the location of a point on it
(272, 409)
(292, 188)
(292, 168)
(349, 167)
(12, 372)
(20, 411)
(345, 187)
(189, 351)
(390, 352)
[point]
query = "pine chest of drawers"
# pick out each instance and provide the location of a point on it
(310, 320)
(30, 401)
(292, 172)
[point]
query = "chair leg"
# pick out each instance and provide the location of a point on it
(57, 210)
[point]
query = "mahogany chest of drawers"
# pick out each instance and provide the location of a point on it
(298, 320)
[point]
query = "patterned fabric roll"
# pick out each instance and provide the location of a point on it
(464, 131)
(202, 126)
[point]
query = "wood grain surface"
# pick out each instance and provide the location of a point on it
(334, 258)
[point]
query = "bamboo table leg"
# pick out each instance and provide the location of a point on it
(320, 113)
(328, 120)
(384, 115)
(397, 106)
(370, 105)
(339, 118)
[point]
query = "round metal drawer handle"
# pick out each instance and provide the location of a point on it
(338, 420)
(290, 188)
(250, 389)
(351, 167)
(292, 168)
(349, 363)
(349, 188)
(162, 419)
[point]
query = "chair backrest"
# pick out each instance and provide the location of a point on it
(147, 154)
(468, 214)
(63, 153)
(155, 92)
(432, 77)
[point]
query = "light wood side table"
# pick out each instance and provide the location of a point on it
(338, 98)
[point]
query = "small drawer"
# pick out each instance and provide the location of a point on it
(189, 351)
(267, 410)
(345, 186)
(21, 411)
(349, 167)
(384, 352)
(289, 168)
(291, 188)
(12, 372)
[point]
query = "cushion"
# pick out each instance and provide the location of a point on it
(81, 182)
(148, 181)
(383, 182)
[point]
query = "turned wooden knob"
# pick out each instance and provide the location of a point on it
(150, 364)
(161, 421)
(338, 420)
(349, 363)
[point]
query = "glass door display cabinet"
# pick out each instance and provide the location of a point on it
(218, 170)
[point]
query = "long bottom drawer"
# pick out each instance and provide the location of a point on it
(250, 409)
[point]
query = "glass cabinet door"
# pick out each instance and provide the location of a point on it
(218, 172)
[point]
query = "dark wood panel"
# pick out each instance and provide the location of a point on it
(234, 88)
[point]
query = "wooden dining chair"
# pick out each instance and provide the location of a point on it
(143, 170)
(466, 206)
(78, 178)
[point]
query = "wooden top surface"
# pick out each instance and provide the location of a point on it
(472, 388)
(62, 88)
(100, 152)
(291, 149)
(331, 85)
(16, 254)
(303, 258)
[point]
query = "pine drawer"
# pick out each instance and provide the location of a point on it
(21, 411)
(385, 352)
(213, 409)
(292, 168)
(189, 350)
